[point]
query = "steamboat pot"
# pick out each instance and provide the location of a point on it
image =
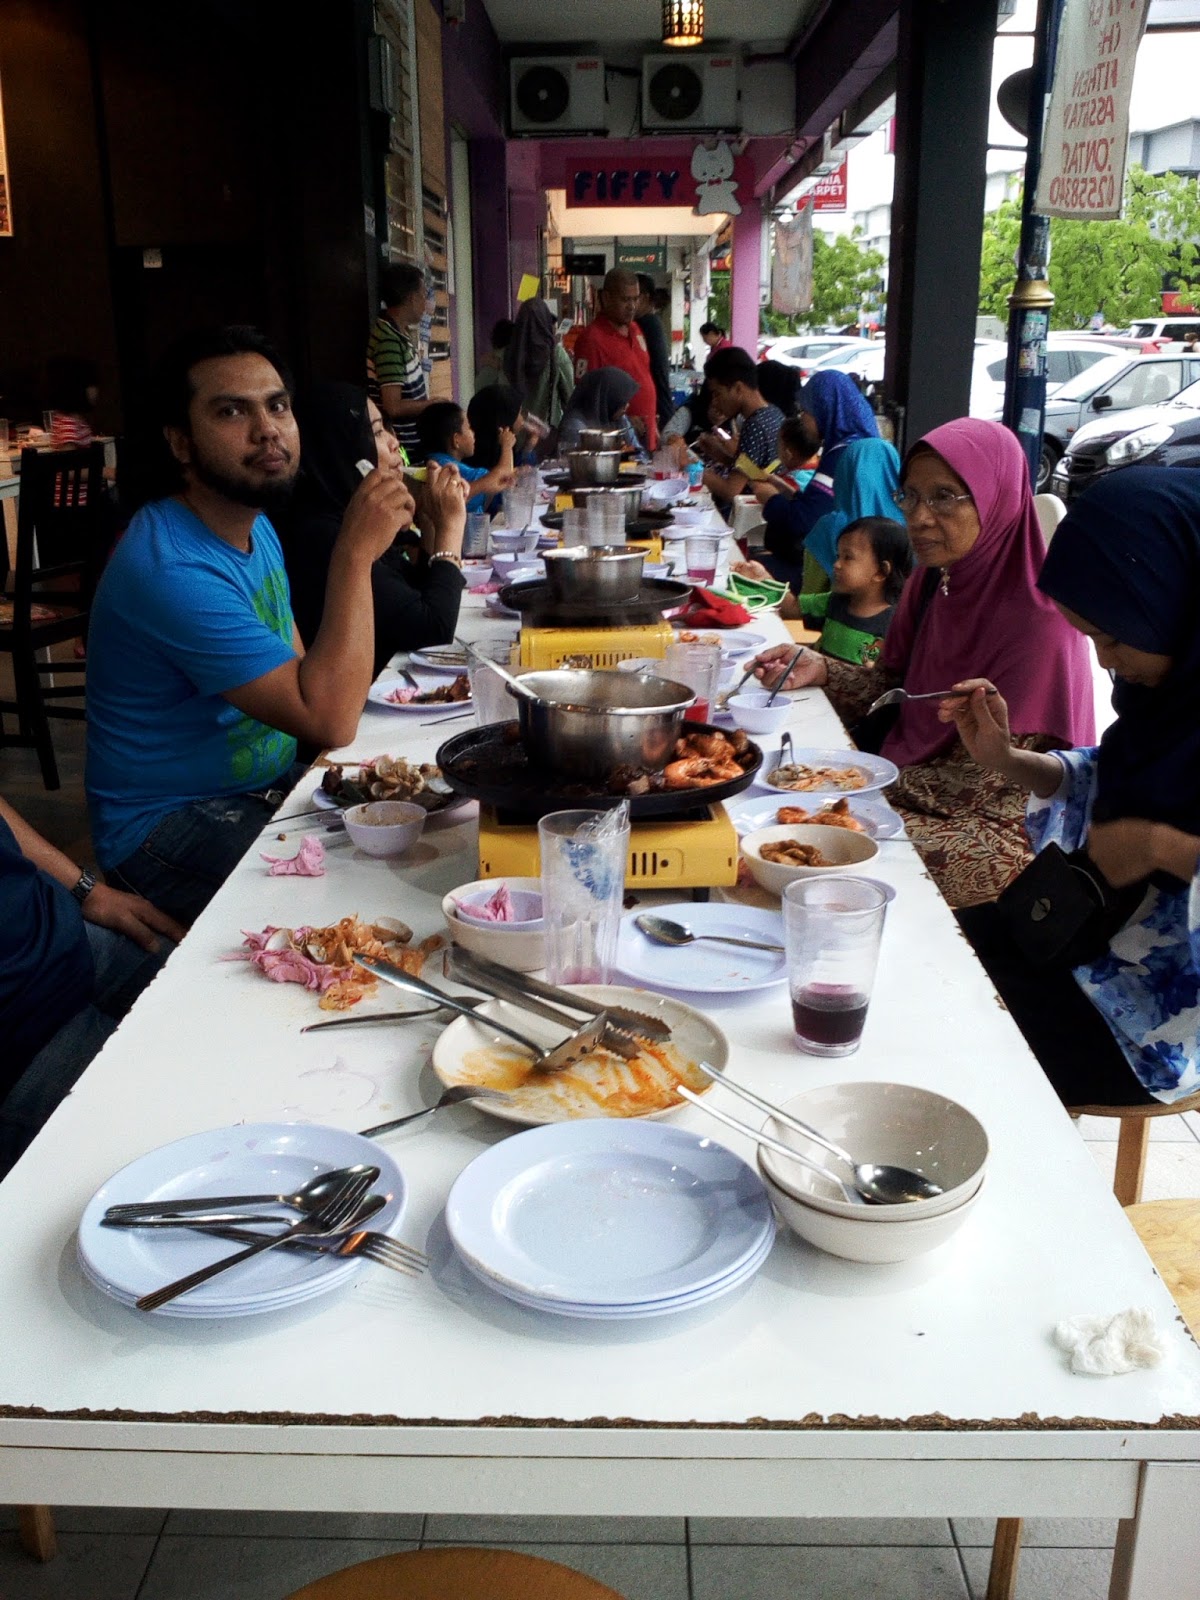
(598, 574)
(593, 466)
(600, 438)
(585, 722)
(630, 494)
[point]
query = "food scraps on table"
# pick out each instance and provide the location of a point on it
(496, 908)
(794, 775)
(838, 815)
(387, 778)
(308, 862)
(322, 958)
(445, 694)
(791, 853)
(602, 1084)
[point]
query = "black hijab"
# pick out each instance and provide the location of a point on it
(494, 407)
(1126, 558)
(335, 432)
(778, 383)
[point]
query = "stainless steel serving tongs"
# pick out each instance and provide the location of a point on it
(502, 984)
(639, 1023)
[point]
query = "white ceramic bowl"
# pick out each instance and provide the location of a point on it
(513, 567)
(895, 1124)
(657, 569)
(526, 904)
(519, 541)
(847, 852)
(854, 1238)
(522, 950)
(384, 827)
(751, 711)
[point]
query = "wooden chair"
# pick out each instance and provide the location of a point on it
(35, 1530)
(454, 1574)
(60, 535)
(1170, 1232)
(1133, 1141)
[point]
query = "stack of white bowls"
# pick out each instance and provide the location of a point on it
(894, 1124)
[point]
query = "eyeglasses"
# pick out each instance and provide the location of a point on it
(942, 502)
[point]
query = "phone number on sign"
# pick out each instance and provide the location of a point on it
(1083, 194)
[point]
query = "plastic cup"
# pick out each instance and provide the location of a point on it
(699, 667)
(605, 520)
(702, 551)
(518, 508)
(574, 528)
(584, 856)
(832, 928)
(489, 692)
(475, 539)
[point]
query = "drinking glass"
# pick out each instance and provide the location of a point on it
(518, 508)
(584, 855)
(702, 550)
(475, 539)
(698, 666)
(574, 528)
(832, 928)
(47, 423)
(605, 520)
(489, 692)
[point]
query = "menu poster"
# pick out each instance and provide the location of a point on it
(5, 203)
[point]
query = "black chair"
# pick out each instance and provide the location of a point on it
(61, 526)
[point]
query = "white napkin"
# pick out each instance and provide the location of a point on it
(1102, 1346)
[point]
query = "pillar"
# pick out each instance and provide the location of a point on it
(745, 275)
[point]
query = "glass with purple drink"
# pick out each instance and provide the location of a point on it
(832, 931)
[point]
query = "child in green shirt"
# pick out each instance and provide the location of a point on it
(874, 558)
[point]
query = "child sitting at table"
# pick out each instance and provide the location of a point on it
(874, 557)
(798, 448)
(448, 437)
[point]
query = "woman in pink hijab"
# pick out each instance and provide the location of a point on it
(970, 610)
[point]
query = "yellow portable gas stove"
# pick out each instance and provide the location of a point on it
(553, 631)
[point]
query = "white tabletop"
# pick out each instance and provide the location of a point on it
(947, 1360)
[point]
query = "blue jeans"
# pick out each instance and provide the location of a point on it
(185, 858)
(123, 969)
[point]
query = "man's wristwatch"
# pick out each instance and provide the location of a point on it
(84, 887)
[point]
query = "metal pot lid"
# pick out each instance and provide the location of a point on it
(535, 602)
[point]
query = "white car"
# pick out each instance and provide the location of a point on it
(806, 350)
(987, 393)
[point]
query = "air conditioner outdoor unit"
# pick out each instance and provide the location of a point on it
(556, 94)
(698, 92)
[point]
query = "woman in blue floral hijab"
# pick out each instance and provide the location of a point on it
(1124, 569)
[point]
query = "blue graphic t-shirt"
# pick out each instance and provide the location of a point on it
(179, 618)
(477, 502)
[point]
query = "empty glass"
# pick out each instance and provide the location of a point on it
(489, 692)
(584, 856)
(574, 528)
(475, 539)
(702, 551)
(605, 519)
(832, 929)
(518, 507)
(698, 666)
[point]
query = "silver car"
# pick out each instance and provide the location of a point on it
(1118, 383)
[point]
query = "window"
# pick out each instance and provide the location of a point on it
(1058, 366)
(995, 369)
(1148, 384)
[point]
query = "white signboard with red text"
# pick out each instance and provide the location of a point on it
(1087, 127)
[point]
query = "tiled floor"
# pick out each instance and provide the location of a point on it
(189, 1555)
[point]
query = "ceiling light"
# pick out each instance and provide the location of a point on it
(683, 22)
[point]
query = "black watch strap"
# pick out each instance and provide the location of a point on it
(84, 887)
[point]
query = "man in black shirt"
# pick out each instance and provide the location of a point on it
(649, 321)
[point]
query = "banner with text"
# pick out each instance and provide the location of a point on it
(831, 190)
(1087, 129)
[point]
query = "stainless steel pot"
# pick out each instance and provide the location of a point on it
(593, 466)
(600, 438)
(631, 496)
(600, 573)
(586, 722)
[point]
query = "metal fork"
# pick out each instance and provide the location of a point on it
(380, 1248)
(895, 697)
(345, 1207)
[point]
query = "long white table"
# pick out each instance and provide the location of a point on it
(821, 1389)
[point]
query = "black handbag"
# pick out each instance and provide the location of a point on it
(1062, 910)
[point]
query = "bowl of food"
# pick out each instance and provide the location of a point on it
(516, 910)
(385, 827)
(519, 946)
(858, 1237)
(778, 856)
(897, 1124)
(757, 712)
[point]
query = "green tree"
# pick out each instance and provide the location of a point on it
(1118, 267)
(846, 276)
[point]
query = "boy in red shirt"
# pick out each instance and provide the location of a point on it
(615, 340)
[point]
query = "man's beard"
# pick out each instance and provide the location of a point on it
(269, 495)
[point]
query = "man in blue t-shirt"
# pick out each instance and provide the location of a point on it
(198, 684)
(74, 956)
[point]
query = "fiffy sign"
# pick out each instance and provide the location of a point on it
(1087, 126)
(706, 182)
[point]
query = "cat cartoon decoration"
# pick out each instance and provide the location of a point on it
(716, 187)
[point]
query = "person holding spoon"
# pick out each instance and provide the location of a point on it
(971, 610)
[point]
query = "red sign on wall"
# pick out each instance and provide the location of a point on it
(829, 193)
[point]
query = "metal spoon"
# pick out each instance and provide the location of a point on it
(661, 930)
(503, 672)
(896, 697)
(449, 1097)
(883, 1185)
(309, 1197)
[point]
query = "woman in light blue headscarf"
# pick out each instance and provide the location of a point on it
(838, 408)
(865, 479)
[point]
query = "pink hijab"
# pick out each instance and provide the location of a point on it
(993, 623)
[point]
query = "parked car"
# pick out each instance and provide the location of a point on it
(1167, 331)
(1166, 435)
(805, 351)
(987, 392)
(1118, 383)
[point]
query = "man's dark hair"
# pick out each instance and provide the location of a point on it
(398, 281)
(731, 365)
(438, 424)
(645, 284)
(712, 327)
(172, 385)
(502, 334)
(889, 542)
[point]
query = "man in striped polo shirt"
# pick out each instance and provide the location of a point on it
(395, 377)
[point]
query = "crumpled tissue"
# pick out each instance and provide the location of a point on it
(1100, 1347)
(308, 862)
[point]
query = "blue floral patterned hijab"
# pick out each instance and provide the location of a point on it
(866, 478)
(1126, 558)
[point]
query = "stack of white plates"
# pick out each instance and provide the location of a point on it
(610, 1220)
(253, 1158)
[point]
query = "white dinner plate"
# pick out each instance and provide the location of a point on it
(877, 772)
(876, 816)
(467, 1051)
(607, 1214)
(741, 644)
(431, 660)
(703, 968)
(252, 1158)
(378, 694)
